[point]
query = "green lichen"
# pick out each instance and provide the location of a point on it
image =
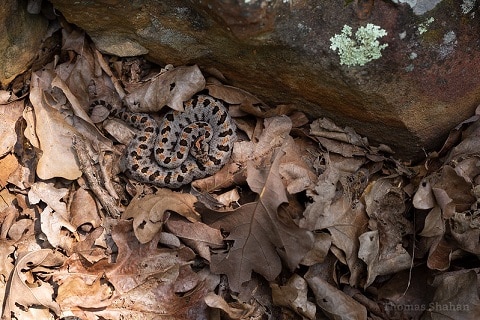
(359, 50)
(423, 27)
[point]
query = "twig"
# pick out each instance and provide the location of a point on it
(87, 168)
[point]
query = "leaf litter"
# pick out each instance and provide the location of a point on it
(306, 221)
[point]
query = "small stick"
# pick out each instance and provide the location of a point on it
(91, 174)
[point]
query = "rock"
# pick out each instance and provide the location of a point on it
(416, 82)
(21, 34)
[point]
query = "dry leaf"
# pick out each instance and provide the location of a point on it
(148, 212)
(258, 234)
(336, 303)
(26, 289)
(199, 235)
(46, 192)
(53, 225)
(294, 296)
(8, 165)
(170, 88)
(456, 297)
(54, 133)
(75, 292)
(9, 114)
(380, 262)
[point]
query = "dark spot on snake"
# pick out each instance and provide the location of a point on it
(133, 118)
(180, 179)
(143, 146)
(207, 102)
(179, 155)
(183, 168)
(164, 140)
(149, 129)
(135, 167)
(168, 178)
(135, 155)
(226, 133)
(223, 148)
(188, 120)
(207, 134)
(183, 143)
(154, 176)
(169, 117)
(165, 130)
(172, 86)
(215, 110)
(159, 150)
(143, 119)
(201, 166)
(222, 119)
(167, 160)
(142, 138)
(188, 130)
(144, 170)
(215, 160)
(197, 118)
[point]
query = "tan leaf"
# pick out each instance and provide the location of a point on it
(8, 165)
(75, 292)
(335, 302)
(55, 136)
(148, 212)
(46, 192)
(233, 310)
(293, 295)
(378, 262)
(25, 289)
(199, 235)
(434, 224)
(9, 114)
(53, 225)
(170, 88)
(83, 209)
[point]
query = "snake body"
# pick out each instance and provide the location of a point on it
(185, 145)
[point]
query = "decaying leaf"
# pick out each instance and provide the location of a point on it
(294, 295)
(257, 233)
(28, 290)
(9, 114)
(170, 88)
(336, 303)
(456, 297)
(148, 212)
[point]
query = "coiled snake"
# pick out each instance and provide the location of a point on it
(184, 146)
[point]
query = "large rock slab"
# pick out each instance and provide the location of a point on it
(421, 81)
(21, 35)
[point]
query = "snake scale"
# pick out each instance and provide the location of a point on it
(183, 147)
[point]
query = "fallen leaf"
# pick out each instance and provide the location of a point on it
(9, 114)
(335, 302)
(54, 133)
(255, 229)
(170, 88)
(456, 297)
(46, 192)
(8, 165)
(148, 212)
(294, 296)
(26, 289)
(378, 262)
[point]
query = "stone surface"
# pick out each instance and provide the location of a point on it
(21, 34)
(424, 84)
